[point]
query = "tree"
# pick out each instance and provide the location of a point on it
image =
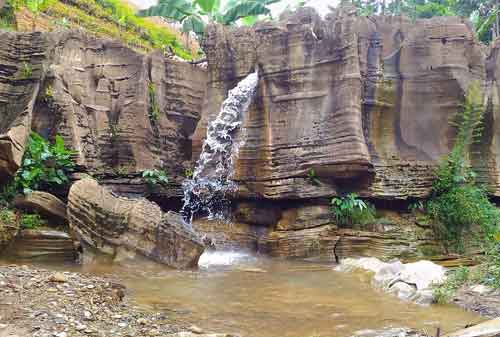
(194, 14)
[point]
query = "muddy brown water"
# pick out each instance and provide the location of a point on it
(262, 297)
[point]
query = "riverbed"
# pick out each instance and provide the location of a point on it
(262, 297)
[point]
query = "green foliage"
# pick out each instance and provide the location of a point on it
(188, 172)
(7, 15)
(417, 206)
(44, 165)
(350, 210)
(194, 14)
(457, 278)
(154, 109)
(154, 177)
(7, 217)
(26, 70)
(31, 221)
(313, 177)
(456, 202)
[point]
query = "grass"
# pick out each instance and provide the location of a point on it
(110, 19)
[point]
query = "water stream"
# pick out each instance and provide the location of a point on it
(259, 297)
(205, 192)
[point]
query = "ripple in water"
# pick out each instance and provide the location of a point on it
(205, 192)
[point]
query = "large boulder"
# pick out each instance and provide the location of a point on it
(117, 226)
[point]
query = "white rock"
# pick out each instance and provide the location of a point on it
(481, 289)
(423, 274)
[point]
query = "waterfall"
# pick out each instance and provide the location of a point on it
(206, 191)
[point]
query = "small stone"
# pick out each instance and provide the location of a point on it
(3, 326)
(52, 290)
(195, 329)
(58, 277)
(142, 321)
(87, 315)
(90, 286)
(122, 325)
(61, 334)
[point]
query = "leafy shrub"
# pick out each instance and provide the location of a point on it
(26, 71)
(313, 177)
(31, 221)
(44, 165)
(155, 177)
(350, 210)
(7, 217)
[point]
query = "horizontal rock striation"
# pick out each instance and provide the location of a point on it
(365, 102)
(122, 111)
(127, 227)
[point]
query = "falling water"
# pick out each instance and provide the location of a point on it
(206, 191)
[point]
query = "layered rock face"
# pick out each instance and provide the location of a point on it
(346, 104)
(363, 101)
(123, 112)
(123, 227)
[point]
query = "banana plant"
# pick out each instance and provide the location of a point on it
(195, 14)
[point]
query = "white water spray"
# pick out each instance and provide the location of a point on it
(206, 191)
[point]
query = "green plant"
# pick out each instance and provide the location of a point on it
(31, 221)
(154, 109)
(154, 177)
(36, 7)
(44, 165)
(7, 217)
(457, 278)
(416, 206)
(188, 172)
(350, 210)
(313, 177)
(193, 14)
(26, 70)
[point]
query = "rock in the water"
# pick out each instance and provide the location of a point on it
(110, 224)
(45, 203)
(411, 281)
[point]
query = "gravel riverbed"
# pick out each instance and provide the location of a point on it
(42, 303)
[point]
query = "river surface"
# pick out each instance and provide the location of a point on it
(261, 297)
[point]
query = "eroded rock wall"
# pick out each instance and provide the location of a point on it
(99, 95)
(363, 101)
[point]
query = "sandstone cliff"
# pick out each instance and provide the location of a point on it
(364, 101)
(99, 95)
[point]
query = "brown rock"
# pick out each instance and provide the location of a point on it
(264, 214)
(364, 101)
(45, 203)
(310, 242)
(229, 235)
(109, 224)
(305, 217)
(20, 72)
(43, 245)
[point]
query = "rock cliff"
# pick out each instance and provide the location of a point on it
(363, 101)
(122, 111)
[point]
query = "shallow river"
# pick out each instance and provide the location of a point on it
(237, 293)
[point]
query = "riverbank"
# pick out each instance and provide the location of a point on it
(42, 303)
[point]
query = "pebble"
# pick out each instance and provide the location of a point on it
(58, 277)
(195, 329)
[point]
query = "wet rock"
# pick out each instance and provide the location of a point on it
(44, 203)
(393, 332)
(411, 281)
(109, 224)
(486, 329)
